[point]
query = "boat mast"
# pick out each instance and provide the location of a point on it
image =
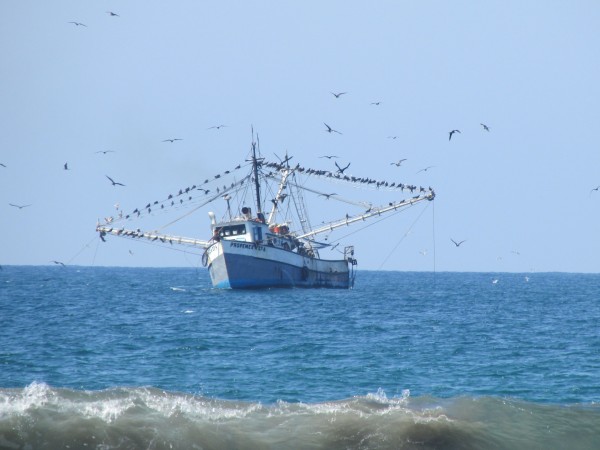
(256, 183)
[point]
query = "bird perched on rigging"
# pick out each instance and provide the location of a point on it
(450, 133)
(114, 183)
(331, 130)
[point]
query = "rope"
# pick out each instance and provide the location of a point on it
(404, 236)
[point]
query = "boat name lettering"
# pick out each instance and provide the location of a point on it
(248, 246)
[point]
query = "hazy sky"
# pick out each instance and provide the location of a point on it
(519, 195)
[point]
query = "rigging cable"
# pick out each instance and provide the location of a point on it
(402, 238)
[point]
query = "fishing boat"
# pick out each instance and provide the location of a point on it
(268, 247)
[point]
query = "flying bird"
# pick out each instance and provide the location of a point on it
(328, 195)
(329, 156)
(457, 243)
(331, 130)
(399, 163)
(105, 151)
(114, 183)
(485, 127)
(595, 189)
(425, 169)
(375, 103)
(59, 263)
(79, 24)
(341, 170)
(338, 94)
(451, 133)
(3, 165)
(392, 137)
(112, 14)
(66, 166)
(172, 140)
(19, 206)
(216, 127)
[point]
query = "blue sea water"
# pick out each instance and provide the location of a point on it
(125, 358)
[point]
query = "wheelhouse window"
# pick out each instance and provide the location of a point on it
(232, 230)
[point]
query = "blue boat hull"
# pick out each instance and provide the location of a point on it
(254, 267)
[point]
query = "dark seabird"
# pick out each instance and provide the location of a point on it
(105, 151)
(216, 127)
(328, 195)
(66, 166)
(375, 103)
(112, 14)
(114, 183)
(59, 263)
(19, 206)
(331, 130)
(457, 243)
(79, 24)
(485, 127)
(172, 140)
(450, 133)
(3, 165)
(341, 170)
(425, 169)
(397, 164)
(338, 94)
(329, 156)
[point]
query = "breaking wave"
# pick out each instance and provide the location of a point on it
(43, 417)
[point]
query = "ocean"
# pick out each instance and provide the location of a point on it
(149, 358)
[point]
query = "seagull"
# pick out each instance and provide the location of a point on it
(338, 94)
(451, 133)
(59, 263)
(392, 137)
(79, 24)
(114, 183)
(329, 156)
(66, 166)
(331, 130)
(375, 103)
(216, 127)
(19, 206)
(112, 14)
(425, 169)
(397, 164)
(105, 151)
(3, 165)
(485, 127)
(340, 170)
(457, 243)
(172, 140)
(595, 189)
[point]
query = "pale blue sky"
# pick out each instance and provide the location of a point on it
(519, 195)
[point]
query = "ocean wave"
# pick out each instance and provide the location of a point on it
(43, 417)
